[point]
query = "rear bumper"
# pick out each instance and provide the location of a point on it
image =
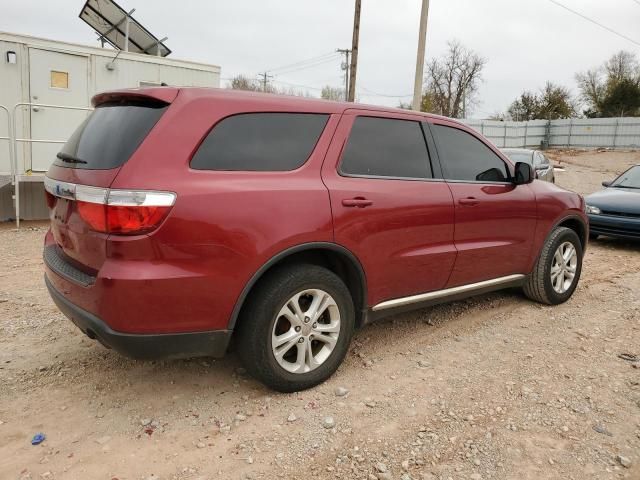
(611, 226)
(143, 346)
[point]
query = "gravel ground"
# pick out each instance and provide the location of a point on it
(495, 387)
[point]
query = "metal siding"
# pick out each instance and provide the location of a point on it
(621, 133)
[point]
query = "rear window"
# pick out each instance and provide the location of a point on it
(110, 135)
(260, 142)
(385, 147)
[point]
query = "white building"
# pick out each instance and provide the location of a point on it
(53, 74)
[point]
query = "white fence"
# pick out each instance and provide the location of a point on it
(623, 133)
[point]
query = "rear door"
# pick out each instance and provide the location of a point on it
(92, 157)
(389, 207)
(495, 220)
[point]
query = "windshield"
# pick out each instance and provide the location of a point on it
(515, 157)
(109, 136)
(629, 179)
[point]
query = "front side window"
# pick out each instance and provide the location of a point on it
(465, 158)
(385, 147)
(260, 142)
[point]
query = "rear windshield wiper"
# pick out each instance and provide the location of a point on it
(625, 186)
(65, 157)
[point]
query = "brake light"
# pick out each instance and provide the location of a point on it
(122, 212)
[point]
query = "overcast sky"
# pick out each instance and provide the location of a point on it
(525, 43)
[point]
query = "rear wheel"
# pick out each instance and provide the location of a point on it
(557, 271)
(296, 327)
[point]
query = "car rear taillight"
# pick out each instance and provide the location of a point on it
(122, 212)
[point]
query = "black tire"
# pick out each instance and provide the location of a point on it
(538, 286)
(258, 316)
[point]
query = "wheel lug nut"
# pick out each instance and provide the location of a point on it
(315, 325)
(301, 340)
(298, 329)
(307, 319)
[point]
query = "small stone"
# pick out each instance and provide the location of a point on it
(249, 460)
(241, 417)
(602, 429)
(624, 461)
(476, 462)
(145, 421)
(475, 476)
(328, 422)
(292, 417)
(381, 467)
(423, 364)
(368, 363)
(200, 445)
(341, 392)
(103, 440)
(405, 465)
(42, 368)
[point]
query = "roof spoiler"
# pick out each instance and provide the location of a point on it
(161, 94)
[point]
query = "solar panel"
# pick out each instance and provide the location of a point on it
(118, 28)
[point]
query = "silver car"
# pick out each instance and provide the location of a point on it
(541, 164)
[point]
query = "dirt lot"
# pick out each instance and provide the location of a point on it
(494, 387)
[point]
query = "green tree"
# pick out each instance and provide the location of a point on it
(553, 102)
(612, 89)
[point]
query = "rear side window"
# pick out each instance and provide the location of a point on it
(385, 147)
(110, 135)
(260, 142)
(466, 158)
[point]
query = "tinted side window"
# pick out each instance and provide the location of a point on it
(464, 157)
(386, 147)
(260, 142)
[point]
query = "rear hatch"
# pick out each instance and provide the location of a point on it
(77, 184)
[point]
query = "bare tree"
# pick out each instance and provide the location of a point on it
(452, 81)
(241, 82)
(332, 93)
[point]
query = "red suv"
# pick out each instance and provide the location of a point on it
(183, 218)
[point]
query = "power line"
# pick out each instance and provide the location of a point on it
(308, 65)
(300, 62)
(596, 22)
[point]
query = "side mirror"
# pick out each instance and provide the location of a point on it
(524, 174)
(606, 184)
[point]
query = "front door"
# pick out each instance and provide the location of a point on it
(495, 219)
(55, 79)
(389, 207)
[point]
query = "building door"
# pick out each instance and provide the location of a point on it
(55, 79)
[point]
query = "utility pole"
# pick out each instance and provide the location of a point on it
(422, 39)
(354, 52)
(345, 66)
(265, 79)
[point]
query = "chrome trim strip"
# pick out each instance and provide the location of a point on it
(107, 196)
(400, 302)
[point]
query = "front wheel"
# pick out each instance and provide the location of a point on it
(296, 328)
(557, 271)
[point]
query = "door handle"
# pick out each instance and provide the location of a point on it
(359, 202)
(469, 201)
